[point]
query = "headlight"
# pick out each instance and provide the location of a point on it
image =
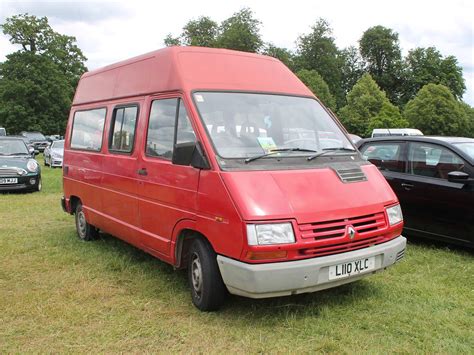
(265, 234)
(394, 214)
(32, 166)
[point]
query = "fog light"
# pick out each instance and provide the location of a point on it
(32, 181)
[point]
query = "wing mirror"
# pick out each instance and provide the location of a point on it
(32, 151)
(459, 177)
(190, 153)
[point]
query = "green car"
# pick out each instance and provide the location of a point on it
(18, 168)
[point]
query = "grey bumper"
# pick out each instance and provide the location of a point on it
(309, 275)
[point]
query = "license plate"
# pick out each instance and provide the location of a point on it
(351, 268)
(4, 181)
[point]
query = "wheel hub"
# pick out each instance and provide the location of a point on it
(196, 274)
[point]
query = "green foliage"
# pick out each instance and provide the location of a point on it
(172, 41)
(34, 94)
(318, 51)
(240, 32)
(37, 83)
(434, 110)
(368, 106)
(35, 35)
(380, 49)
(352, 68)
(282, 54)
(470, 117)
(427, 65)
(318, 86)
(201, 32)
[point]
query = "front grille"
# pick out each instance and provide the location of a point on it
(351, 175)
(337, 228)
(9, 172)
(343, 247)
(400, 255)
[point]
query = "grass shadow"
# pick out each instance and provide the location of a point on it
(236, 307)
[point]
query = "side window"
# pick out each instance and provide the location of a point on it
(386, 156)
(432, 160)
(122, 131)
(87, 129)
(185, 131)
(160, 136)
(162, 132)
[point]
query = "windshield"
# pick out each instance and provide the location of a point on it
(467, 148)
(243, 125)
(58, 145)
(35, 135)
(13, 147)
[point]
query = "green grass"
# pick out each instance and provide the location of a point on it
(58, 294)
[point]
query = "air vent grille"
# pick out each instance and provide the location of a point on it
(351, 175)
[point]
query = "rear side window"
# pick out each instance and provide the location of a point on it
(87, 129)
(168, 124)
(386, 156)
(122, 131)
(433, 160)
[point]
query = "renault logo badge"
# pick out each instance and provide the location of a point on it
(351, 231)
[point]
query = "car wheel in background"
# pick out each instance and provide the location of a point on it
(208, 291)
(85, 231)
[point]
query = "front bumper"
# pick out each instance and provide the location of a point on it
(309, 275)
(56, 162)
(24, 183)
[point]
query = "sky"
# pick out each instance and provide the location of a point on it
(110, 31)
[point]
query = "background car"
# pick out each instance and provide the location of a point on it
(53, 154)
(37, 139)
(18, 169)
(382, 132)
(433, 178)
(3, 132)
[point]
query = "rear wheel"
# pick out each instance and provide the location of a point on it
(208, 291)
(85, 231)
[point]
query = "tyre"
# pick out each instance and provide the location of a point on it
(85, 231)
(45, 164)
(39, 185)
(208, 291)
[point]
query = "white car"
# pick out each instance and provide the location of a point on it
(382, 132)
(53, 154)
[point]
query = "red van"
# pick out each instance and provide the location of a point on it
(224, 163)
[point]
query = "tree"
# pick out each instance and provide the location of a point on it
(37, 82)
(241, 32)
(352, 68)
(317, 51)
(434, 110)
(34, 94)
(282, 54)
(201, 32)
(367, 106)
(380, 50)
(318, 86)
(172, 41)
(35, 35)
(427, 65)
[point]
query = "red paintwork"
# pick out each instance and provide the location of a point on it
(151, 211)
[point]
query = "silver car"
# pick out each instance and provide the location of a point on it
(53, 154)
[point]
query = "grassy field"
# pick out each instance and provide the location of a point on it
(58, 294)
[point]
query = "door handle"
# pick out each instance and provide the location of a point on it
(142, 172)
(407, 186)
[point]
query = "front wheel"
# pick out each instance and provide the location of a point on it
(85, 231)
(208, 291)
(39, 186)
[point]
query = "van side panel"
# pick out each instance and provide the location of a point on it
(218, 218)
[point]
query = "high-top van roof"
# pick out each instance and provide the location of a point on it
(186, 69)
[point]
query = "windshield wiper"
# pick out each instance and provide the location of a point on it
(275, 151)
(330, 150)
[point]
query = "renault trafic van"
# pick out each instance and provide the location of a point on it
(224, 163)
